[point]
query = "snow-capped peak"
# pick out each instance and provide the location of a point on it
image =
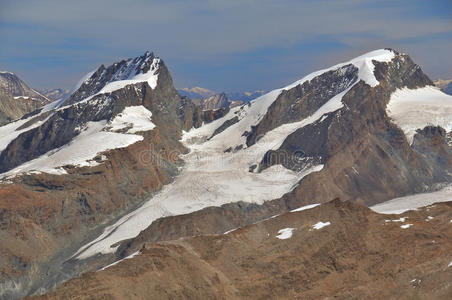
(141, 69)
(250, 115)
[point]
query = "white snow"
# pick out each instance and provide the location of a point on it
(285, 233)
(320, 225)
(413, 109)
(305, 207)
(229, 231)
(405, 226)
(79, 152)
(22, 97)
(398, 220)
(403, 204)
(135, 118)
(211, 177)
(450, 264)
(117, 262)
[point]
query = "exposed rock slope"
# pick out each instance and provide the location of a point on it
(339, 250)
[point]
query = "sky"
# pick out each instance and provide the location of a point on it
(226, 45)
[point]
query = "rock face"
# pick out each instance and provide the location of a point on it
(359, 143)
(340, 250)
(303, 100)
(16, 98)
(215, 101)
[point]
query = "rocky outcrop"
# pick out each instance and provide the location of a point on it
(122, 70)
(16, 98)
(216, 101)
(358, 254)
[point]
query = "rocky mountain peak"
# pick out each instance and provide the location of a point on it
(144, 68)
(12, 84)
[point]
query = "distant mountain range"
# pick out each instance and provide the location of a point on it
(54, 94)
(202, 93)
(445, 85)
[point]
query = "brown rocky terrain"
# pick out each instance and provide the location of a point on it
(360, 255)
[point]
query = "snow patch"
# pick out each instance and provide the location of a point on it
(403, 204)
(320, 225)
(417, 108)
(305, 207)
(285, 233)
(398, 220)
(405, 226)
(117, 262)
(229, 231)
(132, 118)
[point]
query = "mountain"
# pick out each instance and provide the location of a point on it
(246, 96)
(16, 98)
(124, 162)
(217, 101)
(196, 92)
(54, 94)
(445, 85)
(202, 93)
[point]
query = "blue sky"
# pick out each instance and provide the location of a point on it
(221, 45)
